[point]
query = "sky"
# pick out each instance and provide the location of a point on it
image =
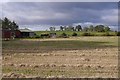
(42, 15)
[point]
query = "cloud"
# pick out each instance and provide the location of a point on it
(61, 1)
(39, 27)
(4, 1)
(111, 17)
(87, 24)
(64, 13)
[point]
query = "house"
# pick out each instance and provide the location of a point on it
(26, 33)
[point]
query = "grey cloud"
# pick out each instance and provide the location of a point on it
(63, 13)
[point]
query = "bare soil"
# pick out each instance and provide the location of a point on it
(99, 62)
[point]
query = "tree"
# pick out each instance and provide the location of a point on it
(106, 29)
(78, 28)
(65, 28)
(91, 28)
(85, 29)
(64, 35)
(14, 26)
(70, 28)
(99, 28)
(7, 24)
(74, 34)
(52, 28)
(61, 28)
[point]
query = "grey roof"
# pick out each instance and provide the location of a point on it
(25, 30)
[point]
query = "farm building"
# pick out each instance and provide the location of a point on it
(17, 34)
(26, 33)
(7, 34)
(22, 33)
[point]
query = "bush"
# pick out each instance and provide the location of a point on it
(87, 34)
(108, 34)
(37, 36)
(118, 33)
(64, 35)
(45, 35)
(74, 34)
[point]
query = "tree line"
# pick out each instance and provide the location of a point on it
(91, 28)
(12, 25)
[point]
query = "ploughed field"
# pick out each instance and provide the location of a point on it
(61, 57)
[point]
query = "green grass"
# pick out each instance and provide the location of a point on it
(78, 33)
(30, 45)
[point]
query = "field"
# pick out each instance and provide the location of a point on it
(61, 57)
(79, 33)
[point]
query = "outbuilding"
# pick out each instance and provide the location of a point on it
(26, 33)
(9, 34)
(21, 33)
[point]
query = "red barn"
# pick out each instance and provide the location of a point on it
(7, 34)
(22, 33)
(18, 34)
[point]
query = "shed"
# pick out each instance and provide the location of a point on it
(17, 34)
(7, 34)
(26, 33)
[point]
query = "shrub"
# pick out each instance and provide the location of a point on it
(87, 34)
(45, 35)
(118, 33)
(64, 35)
(37, 36)
(74, 34)
(108, 34)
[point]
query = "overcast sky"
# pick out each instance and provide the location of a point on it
(42, 15)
